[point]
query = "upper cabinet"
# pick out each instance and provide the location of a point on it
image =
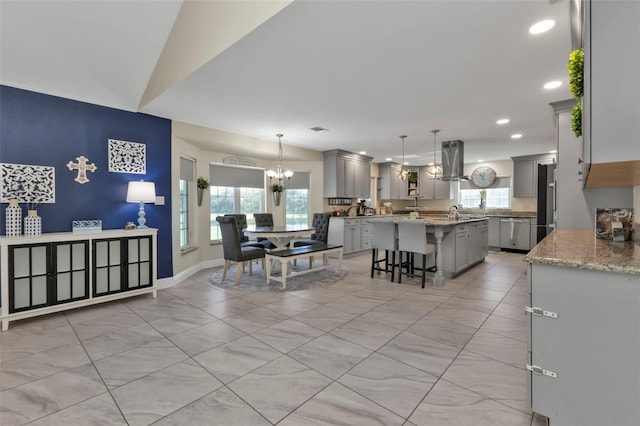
(346, 174)
(433, 189)
(390, 186)
(611, 103)
(525, 174)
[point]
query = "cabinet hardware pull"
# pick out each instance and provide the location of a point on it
(540, 312)
(535, 369)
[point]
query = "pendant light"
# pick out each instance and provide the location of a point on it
(434, 170)
(279, 173)
(404, 171)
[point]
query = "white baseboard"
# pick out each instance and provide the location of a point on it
(181, 276)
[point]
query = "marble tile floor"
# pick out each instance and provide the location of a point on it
(361, 351)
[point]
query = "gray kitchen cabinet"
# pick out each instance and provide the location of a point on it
(354, 234)
(515, 233)
(611, 102)
(583, 346)
(494, 232)
(433, 189)
(525, 174)
(346, 174)
(391, 186)
(463, 246)
(523, 178)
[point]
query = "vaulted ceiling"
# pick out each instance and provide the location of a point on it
(368, 71)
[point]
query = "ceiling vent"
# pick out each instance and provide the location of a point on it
(319, 129)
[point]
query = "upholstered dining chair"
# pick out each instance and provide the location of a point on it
(321, 225)
(264, 219)
(232, 249)
(241, 219)
(412, 240)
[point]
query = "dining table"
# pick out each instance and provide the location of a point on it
(280, 235)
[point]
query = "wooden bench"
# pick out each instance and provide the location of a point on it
(285, 255)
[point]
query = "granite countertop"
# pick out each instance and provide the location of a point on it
(579, 248)
(473, 212)
(435, 220)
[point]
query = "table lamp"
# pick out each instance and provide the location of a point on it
(141, 192)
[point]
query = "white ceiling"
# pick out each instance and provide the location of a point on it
(368, 71)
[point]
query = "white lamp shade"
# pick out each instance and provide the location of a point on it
(141, 192)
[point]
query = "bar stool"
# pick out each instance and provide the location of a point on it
(412, 240)
(384, 236)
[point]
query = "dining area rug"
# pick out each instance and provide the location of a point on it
(257, 281)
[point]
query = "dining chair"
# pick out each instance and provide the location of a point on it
(264, 219)
(319, 238)
(241, 219)
(384, 236)
(321, 225)
(232, 249)
(412, 240)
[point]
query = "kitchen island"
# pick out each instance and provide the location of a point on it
(460, 244)
(584, 329)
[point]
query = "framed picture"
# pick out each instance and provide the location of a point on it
(614, 224)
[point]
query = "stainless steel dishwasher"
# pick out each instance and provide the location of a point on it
(515, 233)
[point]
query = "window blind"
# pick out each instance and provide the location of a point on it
(187, 169)
(236, 176)
(299, 180)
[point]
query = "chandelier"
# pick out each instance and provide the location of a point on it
(434, 169)
(279, 174)
(403, 173)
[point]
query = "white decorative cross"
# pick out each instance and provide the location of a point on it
(82, 167)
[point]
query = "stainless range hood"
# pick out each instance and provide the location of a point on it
(453, 160)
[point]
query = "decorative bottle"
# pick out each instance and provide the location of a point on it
(32, 223)
(13, 219)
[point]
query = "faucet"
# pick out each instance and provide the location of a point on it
(453, 213)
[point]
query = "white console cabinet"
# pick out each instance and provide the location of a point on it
(58, 271)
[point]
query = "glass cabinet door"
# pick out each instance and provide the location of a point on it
(139, 262)
(71, 260)
(107, 270)
(28, 277)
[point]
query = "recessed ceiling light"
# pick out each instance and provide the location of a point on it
(553, 151)
(516, 136)
(502, 121)
(480, 161)
(542, 26)
(406, 163)
(553, 85)
(363, 152)
(318, 129)
(388, 159)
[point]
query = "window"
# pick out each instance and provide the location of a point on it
(297, 199)
(235, 189)
(187, 185)
(184, 213)
(498, 194)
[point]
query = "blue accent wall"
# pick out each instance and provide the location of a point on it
(47, 130)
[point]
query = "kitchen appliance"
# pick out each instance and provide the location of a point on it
(453, 160)
(546, 202)
(515, 233)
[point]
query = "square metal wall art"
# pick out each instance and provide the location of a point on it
(27, 183)
(127, 157)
